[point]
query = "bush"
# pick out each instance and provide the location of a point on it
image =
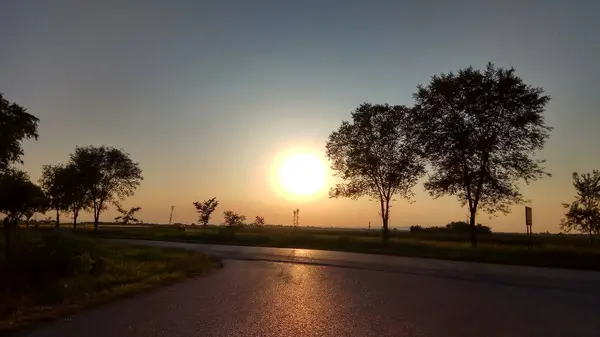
(46, 259)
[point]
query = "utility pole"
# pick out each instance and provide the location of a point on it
(171, 215)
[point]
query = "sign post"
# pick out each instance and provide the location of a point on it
(528, 223)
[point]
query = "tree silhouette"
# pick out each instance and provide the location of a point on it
(15, 126)
(234, 220)
(479, 131)
(205, 209)
(373, 158)
(18, 196)
(54, 184)
(108, 174)
(259, 221)
(583, 214)
(127, 215)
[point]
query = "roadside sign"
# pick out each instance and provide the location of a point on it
(528, 223)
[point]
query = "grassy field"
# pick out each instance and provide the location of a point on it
(547, 250)
(52, 276)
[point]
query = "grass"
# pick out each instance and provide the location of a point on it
(547, 250)
(117, 271)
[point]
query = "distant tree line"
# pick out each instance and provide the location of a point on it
(453, 227)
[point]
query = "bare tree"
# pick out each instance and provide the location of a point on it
(127, 215)
(205, 209)
(479, 131)
(583, 214)
(373, 158)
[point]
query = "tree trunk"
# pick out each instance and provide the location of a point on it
(591, 238)
(96, 219)
(473, 228)
(7, 236)
(385, 216)
(75, 214)
(57, 218)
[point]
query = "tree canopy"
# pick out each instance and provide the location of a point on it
(15, 126)
(55, 182)
(479, 131)
(18, 195)
(372, 157)
(108, 174)
(205, 209)
(583, 214)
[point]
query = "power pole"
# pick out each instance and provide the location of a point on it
(171, 215)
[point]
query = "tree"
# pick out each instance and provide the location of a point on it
(127, 215)
(373, 158)
(76, 195)
(108, 174)
(583, 214)
(54, 182)
(205, 209)
(18, 196)
(15, 126)
(479, 131)
(234, 220)
(259, 221)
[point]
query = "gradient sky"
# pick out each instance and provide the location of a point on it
(205, 94)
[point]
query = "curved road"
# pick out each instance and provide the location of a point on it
(299, 292)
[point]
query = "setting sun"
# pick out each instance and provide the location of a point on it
(301, 174)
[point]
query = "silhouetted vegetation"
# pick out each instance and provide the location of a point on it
(108, 174)
(205, 209)
(16, 125)
(453, 227)
(259, 221)
(373, 158)
(234, 220)
(53, 275)
(18, 196)
(479, 131)
(583, 214)
(127, 215)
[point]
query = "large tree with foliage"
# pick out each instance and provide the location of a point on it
(18, 196)
(16, 125)
(77, 196)
(108, 175)
(373, 158)
(583, 214)
(205, 209)
(54, 182)
(479, 131)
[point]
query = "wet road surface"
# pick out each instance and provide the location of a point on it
(298, 292)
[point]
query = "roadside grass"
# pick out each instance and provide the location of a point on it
(546, 251)
(53, 277)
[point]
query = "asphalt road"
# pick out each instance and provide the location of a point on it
(298, 292)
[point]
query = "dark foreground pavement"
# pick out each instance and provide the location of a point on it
(297, 292)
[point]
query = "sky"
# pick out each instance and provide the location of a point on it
(206, 95)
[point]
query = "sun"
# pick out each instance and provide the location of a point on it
(301, 174)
